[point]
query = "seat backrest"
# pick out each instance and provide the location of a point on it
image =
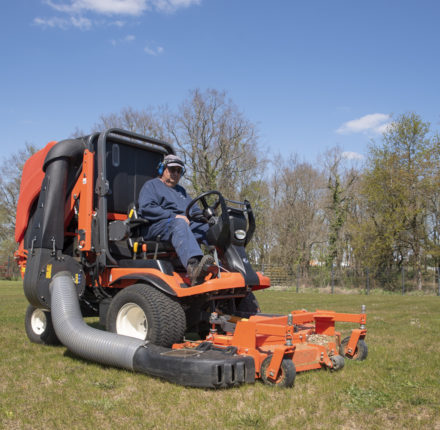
(128, 167)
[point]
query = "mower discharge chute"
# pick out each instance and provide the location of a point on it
(82, 253)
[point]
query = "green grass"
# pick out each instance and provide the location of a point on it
(397, 387)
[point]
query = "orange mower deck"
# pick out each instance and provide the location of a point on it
(283, 345)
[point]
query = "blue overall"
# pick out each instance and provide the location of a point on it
(160, 204)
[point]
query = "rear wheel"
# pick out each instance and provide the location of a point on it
(39, 327)
(286, 374)
(143, 312)
(360, 352)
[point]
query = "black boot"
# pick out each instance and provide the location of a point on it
(198, 269)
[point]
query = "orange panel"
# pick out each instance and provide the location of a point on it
(31, 180)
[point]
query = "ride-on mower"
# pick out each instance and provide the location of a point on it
(82, 253)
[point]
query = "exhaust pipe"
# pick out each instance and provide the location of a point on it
(195, 368)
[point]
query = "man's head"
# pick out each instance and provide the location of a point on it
(171, 170)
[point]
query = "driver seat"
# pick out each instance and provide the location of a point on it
(126, 240)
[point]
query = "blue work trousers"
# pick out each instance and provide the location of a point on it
(182, 236)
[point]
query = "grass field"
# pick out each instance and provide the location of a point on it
(397, 387)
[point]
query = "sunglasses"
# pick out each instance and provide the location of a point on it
(175, 170)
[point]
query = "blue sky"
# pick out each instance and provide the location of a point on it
(312, 74)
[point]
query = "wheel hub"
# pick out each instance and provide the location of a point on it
(132, 321)
(38, 321)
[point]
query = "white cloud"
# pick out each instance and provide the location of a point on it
(372, 123)
(118, 23)
(172, 5)
(127, 39)
(119, 7)
(107, 7)
(51, 22)
(348, 155)
(75, 12)
(81, 22)
(64, 23)
(383, 128)
(154, 50)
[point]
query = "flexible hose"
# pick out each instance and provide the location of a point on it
(89, 343)
(196, 368)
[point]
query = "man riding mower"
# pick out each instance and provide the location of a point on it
(85, 250)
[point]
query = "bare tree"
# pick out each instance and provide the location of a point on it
(297, 192)
(259, 194)
(219, 145)
(10, 178)
(146, 121)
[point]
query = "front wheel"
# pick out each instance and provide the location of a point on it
(338, 362)
(143, 312)
(39, 327)
(249, 304)
(360, 352)
(286, 374)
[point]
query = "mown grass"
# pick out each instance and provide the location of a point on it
(396, 387)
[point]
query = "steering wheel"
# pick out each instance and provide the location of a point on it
(208, 210)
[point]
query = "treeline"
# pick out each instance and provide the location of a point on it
(378, 215)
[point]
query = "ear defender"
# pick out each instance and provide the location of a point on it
(160, 168)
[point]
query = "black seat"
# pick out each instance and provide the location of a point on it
(126, 240)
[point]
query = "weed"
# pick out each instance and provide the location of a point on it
(366, 399)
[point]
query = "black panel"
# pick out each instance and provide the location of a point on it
(194, 368)
(127, 172)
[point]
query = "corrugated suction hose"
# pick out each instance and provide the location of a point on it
(195, 368)
(92, 344)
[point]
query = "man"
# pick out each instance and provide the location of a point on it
(163, 202)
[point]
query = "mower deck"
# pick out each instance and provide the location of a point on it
(306, 339)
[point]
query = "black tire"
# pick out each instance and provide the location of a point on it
(286, 375)
(360, 353)
(39, 327)
(144, 312)
(338, 362)
(249, 304)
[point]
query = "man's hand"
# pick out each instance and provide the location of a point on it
(183, 217)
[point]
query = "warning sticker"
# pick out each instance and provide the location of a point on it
(48, 271)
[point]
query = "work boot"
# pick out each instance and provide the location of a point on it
(198, 270)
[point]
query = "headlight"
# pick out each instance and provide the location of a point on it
(240, 234)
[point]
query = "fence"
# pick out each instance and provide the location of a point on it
(400, 279)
